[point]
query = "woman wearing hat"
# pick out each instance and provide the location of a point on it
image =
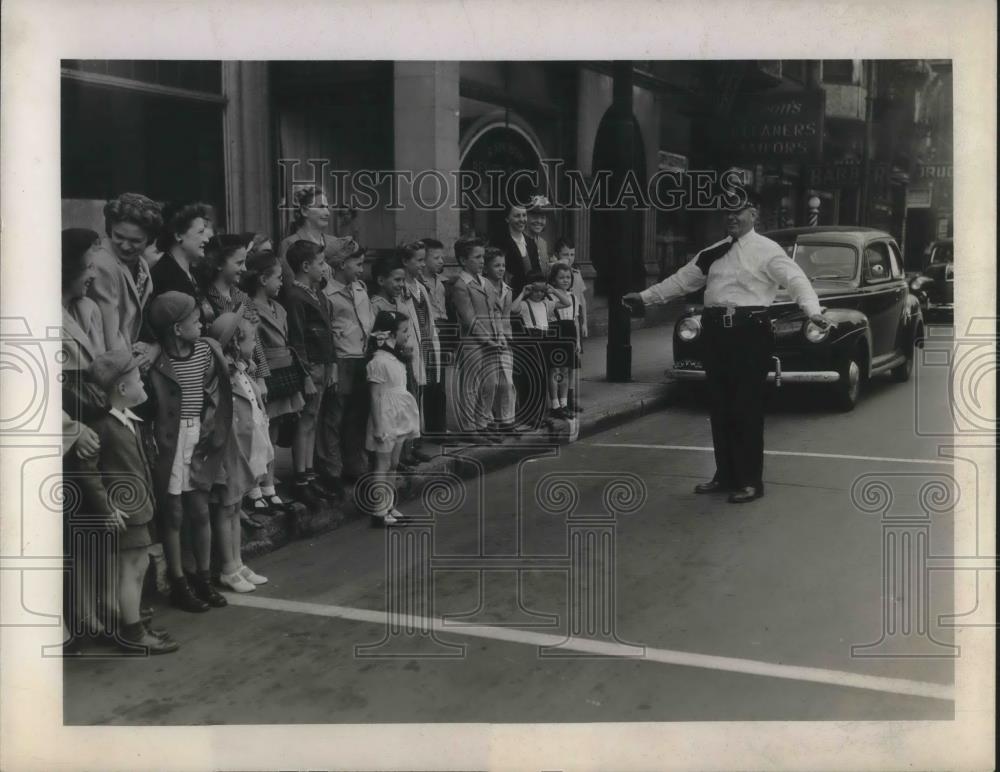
(537, 220)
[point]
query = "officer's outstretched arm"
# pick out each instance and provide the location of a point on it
(786, 272)
(689, 278)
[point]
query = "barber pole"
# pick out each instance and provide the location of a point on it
(814, 203)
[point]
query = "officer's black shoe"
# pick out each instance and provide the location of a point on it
(743, 495)
(714, 486)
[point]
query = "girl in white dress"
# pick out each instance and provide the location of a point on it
(395, 416)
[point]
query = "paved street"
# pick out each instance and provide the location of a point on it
(745, 612)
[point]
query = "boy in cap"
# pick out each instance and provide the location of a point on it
(119, 487)
(193, 409)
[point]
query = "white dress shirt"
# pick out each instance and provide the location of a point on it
(749, 274)
(126, 416)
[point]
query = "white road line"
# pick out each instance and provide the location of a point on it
(839, 678)
(843, 456)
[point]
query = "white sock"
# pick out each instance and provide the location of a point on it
(562, 403)
(555, 404)
(267, 490)
(254, 493)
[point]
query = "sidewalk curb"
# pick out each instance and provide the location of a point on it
(485, 459)
(463, 462)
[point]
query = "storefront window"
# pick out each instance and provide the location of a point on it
(118, 138)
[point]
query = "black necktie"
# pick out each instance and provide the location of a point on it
(708, 256)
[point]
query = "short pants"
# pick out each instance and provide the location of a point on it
(180, 472)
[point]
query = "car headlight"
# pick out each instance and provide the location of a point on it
(689, 328)
(814, 333)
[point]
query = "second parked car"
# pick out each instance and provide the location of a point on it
(935, 287)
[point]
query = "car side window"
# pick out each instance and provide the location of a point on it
(877, 263)
(895, 261)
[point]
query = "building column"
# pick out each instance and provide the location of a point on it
(425, 117)
(246, 129)
(619, 349)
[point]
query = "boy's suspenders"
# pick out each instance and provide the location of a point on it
(531, 312)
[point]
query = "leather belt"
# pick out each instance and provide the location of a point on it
(732, 315)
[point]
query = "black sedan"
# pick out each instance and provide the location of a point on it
(857, 274)
(935, 287)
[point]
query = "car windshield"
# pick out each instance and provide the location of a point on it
(943, 253)
(825, 261)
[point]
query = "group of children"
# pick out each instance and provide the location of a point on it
(254, 361)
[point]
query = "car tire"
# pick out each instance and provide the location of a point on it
(902, 373)
(848, 389)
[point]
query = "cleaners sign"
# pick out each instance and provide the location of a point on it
(776, 127)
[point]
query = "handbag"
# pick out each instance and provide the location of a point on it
(287, 376)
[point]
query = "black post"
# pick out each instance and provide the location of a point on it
(866, 161)
(619, 354)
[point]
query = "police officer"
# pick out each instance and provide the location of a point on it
(741, 275)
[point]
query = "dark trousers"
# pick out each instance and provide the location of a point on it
(435, 408)
(532, 356)
(737, 360)
(342, 421)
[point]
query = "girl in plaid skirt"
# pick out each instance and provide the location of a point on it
(286, 384)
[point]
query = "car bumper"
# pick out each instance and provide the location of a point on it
(807, 376)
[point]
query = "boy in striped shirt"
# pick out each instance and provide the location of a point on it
(193, 407)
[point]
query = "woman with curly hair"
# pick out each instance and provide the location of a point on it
(122, 284)
(183, 240)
